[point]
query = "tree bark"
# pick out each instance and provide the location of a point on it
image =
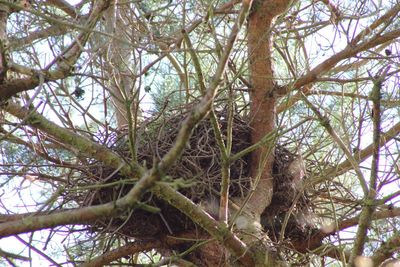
(263, 110)
(117, 59)
(4, 12)
(262, 97)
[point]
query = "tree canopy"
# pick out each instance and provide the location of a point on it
(199, 133)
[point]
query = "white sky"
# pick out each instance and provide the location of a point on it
(31, 193)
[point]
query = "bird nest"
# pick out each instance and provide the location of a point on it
(199, 168)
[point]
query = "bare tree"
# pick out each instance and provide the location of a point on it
(254, 133)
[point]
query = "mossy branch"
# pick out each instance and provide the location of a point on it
(75, 142)
(369, 207)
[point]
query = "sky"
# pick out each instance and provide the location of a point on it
(32, 191)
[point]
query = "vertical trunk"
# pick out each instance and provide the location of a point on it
(4, 12)
(263, 105)
(263, 100)
(117, 60)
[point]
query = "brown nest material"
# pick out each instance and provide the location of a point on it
(200, 166)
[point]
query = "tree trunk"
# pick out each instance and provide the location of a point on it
(262, 97)
(118, 60)
(263, 107)
(4, 12)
